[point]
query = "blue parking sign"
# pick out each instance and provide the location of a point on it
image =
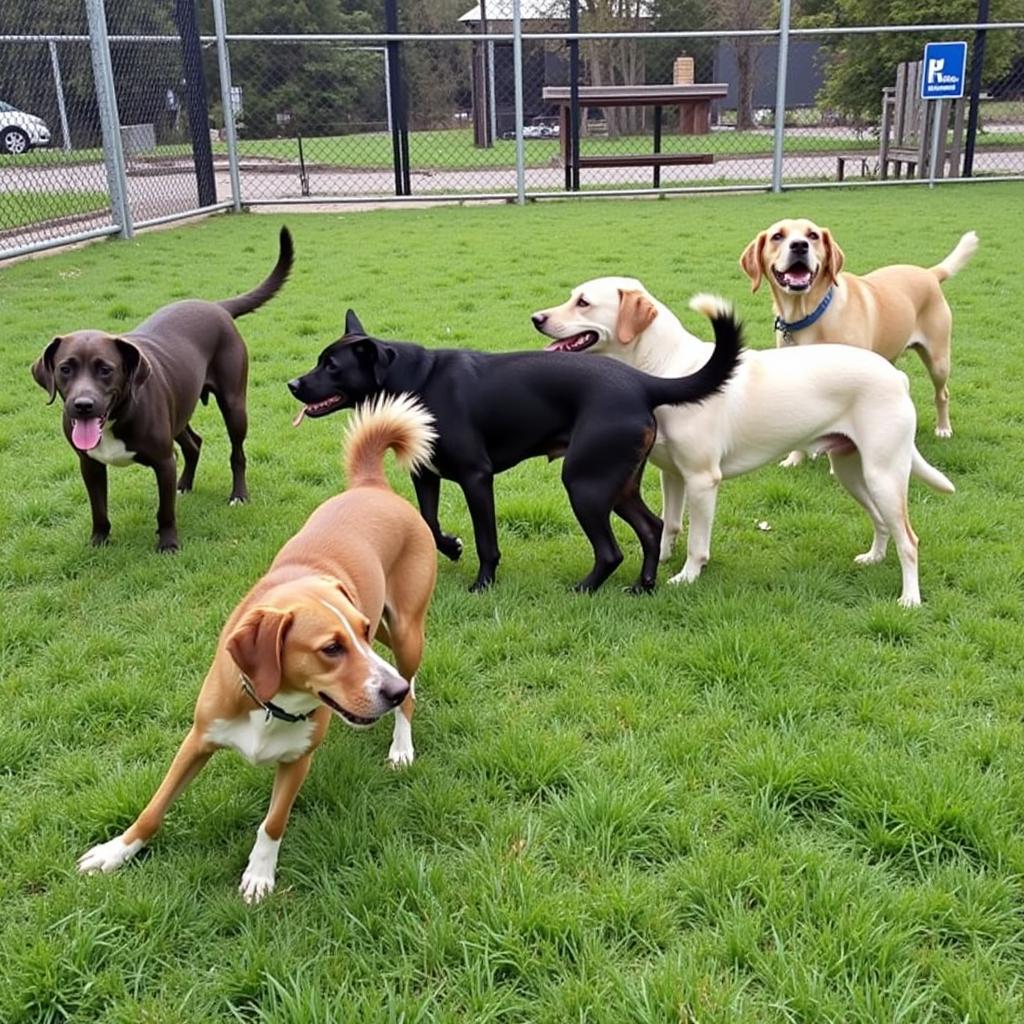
(943, 72)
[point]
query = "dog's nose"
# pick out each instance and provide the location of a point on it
(394, 690)
(539, 320)
(293, 386)
(799, 245)
(84, 406)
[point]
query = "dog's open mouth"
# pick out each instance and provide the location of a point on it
(357, 720)
(797, 277)
(316, 409)
(577, 343)
(87, 434)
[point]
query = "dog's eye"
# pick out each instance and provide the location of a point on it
(778, 236)
(582, 302)
(65, 369)
(333, 649)
(103, 370)
(813, 235)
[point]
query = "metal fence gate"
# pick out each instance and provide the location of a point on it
(142, 111)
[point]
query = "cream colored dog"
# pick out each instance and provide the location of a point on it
(888, 311)
(297, 650)
(836, 399)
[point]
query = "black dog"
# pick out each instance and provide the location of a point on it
(128, 398)
(493, 411)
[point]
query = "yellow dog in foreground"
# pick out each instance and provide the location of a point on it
(888, 311)
(298, 648)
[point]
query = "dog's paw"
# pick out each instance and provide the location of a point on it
(450, 547)
(238, 499)
(909, 601)
(792, 459)
(100, 540)
(109, 856)
(688, 574)
(401, 755)
(257, 883)
(869, 558)
(943, 431)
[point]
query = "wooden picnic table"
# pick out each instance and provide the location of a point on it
(693, 102)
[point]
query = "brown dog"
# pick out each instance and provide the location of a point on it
(889, 310)
(128, 398)
(298, 646)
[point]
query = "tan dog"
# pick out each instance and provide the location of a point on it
(297, 649)
(889, 310)
(826, 398)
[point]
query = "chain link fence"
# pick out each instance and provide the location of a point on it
(461, 101)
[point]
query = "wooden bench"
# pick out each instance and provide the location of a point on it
(906, 133)
(842, 159)
(647, 159)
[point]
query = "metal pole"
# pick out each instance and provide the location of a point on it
(492, 102)
(572, 172)
(780, 96)
(517, 64)
(394, 94)
(106, 100)
(387, 87)
(58, 84)
(224, 64)
(977, 65)
(938, 136)
(186, 18)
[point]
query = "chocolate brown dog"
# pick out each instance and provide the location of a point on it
(128, 398)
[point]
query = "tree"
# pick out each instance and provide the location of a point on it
(859, 66)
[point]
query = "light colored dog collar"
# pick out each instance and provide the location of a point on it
(789, 329)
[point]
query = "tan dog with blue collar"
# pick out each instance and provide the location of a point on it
(298, 648)
(888, 311)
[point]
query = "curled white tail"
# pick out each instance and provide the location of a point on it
(711, 305)
(957, 259)
(398, 422)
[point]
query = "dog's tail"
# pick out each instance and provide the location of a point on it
(242, 304)
(715, 373)
(958, 258)
(928, 474)
(397, 422)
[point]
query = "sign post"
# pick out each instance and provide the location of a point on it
(943, 79)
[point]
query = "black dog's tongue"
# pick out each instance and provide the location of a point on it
(86, 434)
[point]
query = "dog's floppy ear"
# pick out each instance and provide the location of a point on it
(377, 355)
(136, 365)
(352, 324)
(257, 646)
(834, 256)
(636, 314)
(752, 260)
(42, 369)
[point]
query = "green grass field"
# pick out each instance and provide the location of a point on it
(771, 797)
(20, 207)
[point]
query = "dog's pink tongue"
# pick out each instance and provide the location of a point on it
(798, 278)
(298, 419)
(85, 434)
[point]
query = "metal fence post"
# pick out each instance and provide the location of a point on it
(106, 100)
(224, 65)
(780, 96)
(517, 74)
(62, 110)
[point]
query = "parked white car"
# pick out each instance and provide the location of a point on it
(20, 132)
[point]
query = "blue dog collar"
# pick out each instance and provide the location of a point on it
(788, 329)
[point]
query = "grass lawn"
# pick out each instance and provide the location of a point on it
(773, 796)
(20, 207)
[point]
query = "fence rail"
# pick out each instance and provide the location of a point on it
(172, 114)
